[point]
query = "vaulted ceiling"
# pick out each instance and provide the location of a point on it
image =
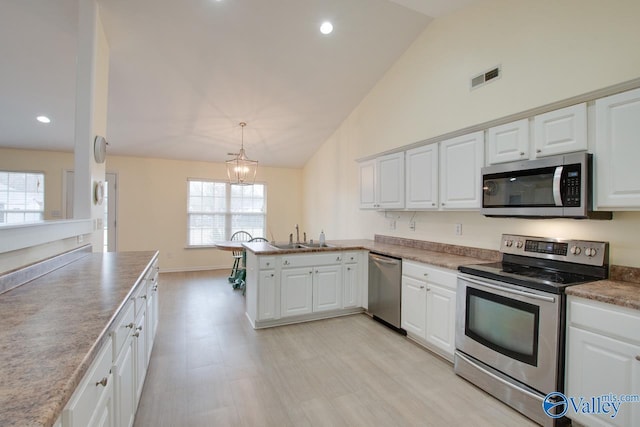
(183, 74)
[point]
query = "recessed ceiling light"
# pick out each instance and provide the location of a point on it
(326, 27)
(43, 119)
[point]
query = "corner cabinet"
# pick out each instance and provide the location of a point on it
(617, 151)
(382, 182)
(603, 359)
(291, 288)
(429, 306)
(461, 161)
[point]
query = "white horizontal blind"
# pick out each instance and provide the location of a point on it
(21, 197)
(216, 210)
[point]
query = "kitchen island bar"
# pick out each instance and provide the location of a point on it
(53, 327)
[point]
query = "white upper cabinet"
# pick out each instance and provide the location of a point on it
(422, 177)
(561, 131)
(461, 160)
(508, 142)
(382, 182)
(617, 151)
(390, 184)
(368, 184)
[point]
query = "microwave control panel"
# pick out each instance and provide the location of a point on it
(572, 186)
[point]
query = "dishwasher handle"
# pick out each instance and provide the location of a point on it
(384, 260)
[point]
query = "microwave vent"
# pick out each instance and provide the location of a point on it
(484, 78)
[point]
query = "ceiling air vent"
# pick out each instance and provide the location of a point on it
(486, 77)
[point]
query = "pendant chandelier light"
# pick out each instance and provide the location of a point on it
(241, 170)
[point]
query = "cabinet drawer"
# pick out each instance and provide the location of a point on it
(351, 257)
(96, 383)
(140, 295)
(608, 319)
(267, 263)
(441, 276)
(123, 328)
(312, 260)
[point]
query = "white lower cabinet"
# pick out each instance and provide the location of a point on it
(351, 285)
(327, 288)
(125, 383)
(429, 306)
(315, 285)
(92, 404)
(109, 393)
(602, 361)
(296, 290)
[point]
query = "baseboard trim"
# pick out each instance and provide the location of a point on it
(190, 269)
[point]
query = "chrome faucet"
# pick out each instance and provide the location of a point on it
(297, 234)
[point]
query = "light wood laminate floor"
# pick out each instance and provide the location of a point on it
(210, 368)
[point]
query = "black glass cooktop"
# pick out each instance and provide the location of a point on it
(544, 279)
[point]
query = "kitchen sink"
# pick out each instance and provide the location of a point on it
(300, 245)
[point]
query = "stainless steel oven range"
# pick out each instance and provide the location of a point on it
(511, 318)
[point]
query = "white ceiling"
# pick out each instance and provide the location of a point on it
(183, 74)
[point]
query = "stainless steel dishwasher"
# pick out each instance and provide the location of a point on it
(385, 275)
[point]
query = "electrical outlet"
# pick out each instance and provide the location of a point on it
(412, 225)
(80, 238)
(458, 229)
(392, 224)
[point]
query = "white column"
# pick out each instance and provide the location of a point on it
(91, 115)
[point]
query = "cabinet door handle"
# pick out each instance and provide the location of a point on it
(272, 274)
(139, 328)
(137, 334)
(433, 204)
(421, 286)
(428, 289)
(103, 382)
(143, 297)
(130, 325)
(638, 357)
(442, 203)
(522, 153)
(426, 274)
(338, 259)
(348, 268)
(538, 151)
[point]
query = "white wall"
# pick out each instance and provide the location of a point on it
(152, 205)
(549, 51)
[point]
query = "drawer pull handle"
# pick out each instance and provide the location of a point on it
(421, 286)
(426, 274)
(130, 325)
(137, 334)
(102, 382)
(143, 297)
(155, 288)
(638, 358)
(139, 328)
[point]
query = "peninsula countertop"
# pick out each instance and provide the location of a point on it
(441, 255)
(52, 328)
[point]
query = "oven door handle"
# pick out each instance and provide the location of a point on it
(557, 191)
(509, 290)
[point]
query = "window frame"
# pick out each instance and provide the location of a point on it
(228, 213)
(42, 212)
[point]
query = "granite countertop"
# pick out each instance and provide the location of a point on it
(440, 255)
(622, 288)
(52, 328)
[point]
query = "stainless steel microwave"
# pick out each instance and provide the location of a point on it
(551, 187)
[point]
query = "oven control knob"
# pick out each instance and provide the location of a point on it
(590, 252)
(519, 244)
(508, 243)
(576, 250)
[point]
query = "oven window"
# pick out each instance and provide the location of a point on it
(503, 324)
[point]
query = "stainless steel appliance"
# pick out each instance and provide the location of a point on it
(511, 318)
(385, 275)
(558, 186)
